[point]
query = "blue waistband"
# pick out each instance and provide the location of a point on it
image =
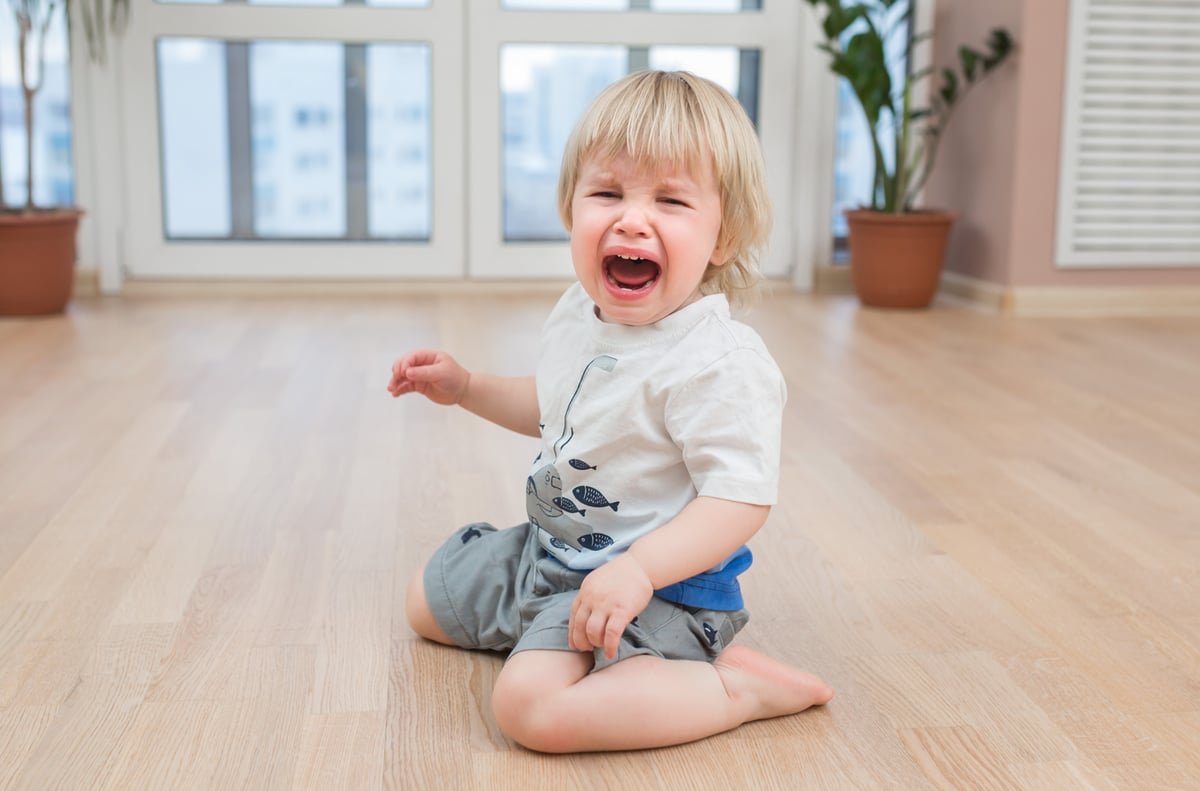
(717, 589)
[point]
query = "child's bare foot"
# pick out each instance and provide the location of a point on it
(767, 688)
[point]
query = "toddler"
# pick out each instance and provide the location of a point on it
(659, 418)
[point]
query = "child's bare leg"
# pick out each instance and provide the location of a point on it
(547, 701)
(416, 607)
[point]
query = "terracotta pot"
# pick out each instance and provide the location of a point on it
(896, 259)
(37, 261)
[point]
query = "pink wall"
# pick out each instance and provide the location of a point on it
(998, 165)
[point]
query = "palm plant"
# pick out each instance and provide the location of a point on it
(857, 36)
(33, 18)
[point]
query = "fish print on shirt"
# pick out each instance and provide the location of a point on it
(545, 503)
(593, 497)
(595, 541)
(568, 506)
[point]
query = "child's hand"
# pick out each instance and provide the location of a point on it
(435, 375)
(610, 597)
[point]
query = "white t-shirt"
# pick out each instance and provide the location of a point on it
(638, 421)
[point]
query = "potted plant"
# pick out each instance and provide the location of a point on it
(38, 244)
(896, 251)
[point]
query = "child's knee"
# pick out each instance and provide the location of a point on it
(528, 708)
(523, 716)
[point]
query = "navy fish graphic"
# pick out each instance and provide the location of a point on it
(710, 633)
(555, 542)
(469, 533)
(580, 464)
(568, 506)
(593, 497)
(595, 541)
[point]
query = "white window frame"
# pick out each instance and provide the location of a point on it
(145, 253)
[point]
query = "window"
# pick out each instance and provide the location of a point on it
(53, 165)
(545, 88)
(270, 118)
(855, 160)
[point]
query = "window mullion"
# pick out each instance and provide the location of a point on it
(241, 155)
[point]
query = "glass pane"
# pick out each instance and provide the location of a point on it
(297, 103)
(195, 138)
(399, 175)
(545, 89)
(693, 6)
(719, 64)
(854, 163)
(295, 140)
(54, 183)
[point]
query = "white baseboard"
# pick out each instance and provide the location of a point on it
(976, 293)
(832, 279)
(87, 283)
(1074, 301)
(336, 288)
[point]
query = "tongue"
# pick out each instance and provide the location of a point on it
(632, 273)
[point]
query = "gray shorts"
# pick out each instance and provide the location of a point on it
(498, 590)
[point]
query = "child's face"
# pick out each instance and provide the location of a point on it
(641, 240)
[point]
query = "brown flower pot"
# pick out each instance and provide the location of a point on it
(896, 259)
(37, 261)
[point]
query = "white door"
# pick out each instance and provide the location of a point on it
(258, 140)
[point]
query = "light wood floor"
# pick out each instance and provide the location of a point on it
(988, 543)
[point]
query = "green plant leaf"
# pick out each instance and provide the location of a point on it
(868, 74)
(1000, 46)
(970, 60)
(839, 19)
(949, 89)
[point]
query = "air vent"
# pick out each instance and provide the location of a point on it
(1130, 180)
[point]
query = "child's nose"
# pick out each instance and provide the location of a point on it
(633, 222)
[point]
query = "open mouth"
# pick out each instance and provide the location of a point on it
(628, 273)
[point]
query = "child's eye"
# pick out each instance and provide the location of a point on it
(674, 201)
(605, 194)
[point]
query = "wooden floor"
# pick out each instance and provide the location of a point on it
(988, 543)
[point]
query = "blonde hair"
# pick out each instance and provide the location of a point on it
(657, 117)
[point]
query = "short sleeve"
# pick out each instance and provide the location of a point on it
(727, 420)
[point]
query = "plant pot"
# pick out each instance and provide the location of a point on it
(896, 259)
(37, 261)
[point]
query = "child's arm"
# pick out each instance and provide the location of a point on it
(508, 401)
(705, 532)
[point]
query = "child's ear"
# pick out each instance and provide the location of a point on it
(721, 254)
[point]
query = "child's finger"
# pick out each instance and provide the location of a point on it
(612, 637)
(597, 627)
(575, 639)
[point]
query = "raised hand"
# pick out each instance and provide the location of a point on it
(434, 374)
(610, 597)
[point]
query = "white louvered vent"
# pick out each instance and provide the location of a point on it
(1129, 191)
